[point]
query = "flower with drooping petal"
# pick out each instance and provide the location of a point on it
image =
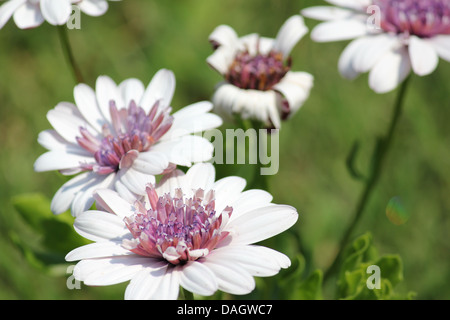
(391, 37)
(118, 135)
(32, 13)
(189, 231)
(258, 81)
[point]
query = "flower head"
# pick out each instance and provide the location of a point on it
(392, 37)
(258, 81)
(176, 229)
(189, 230)
(118, 136)
(32, 13)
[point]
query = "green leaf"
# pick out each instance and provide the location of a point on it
(350, 162)
(355, 273)
(58, 235)
(360, 251)
(311, 288)
(391, 267)
(294, 272)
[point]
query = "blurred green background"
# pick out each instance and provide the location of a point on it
(136, 38)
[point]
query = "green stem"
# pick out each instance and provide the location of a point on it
(259, 181)
(188, 295)
(63, 37)
(378, 160)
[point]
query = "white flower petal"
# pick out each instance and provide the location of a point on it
(231, 277)
(336, 30)
(265, 45)
(86, 102)
(250, 42)
(131, 90)
(224, 98)
(290, 33)
(326, 13)
(295, 87)
(102, 249)
(111, 201)
(424, 58)
(368, 54)
(28, 16)
(67, 121)
(7, 10)
(84, 199)
(94, 7)
(348, 56)
(56, 12)
(441, 44)
(390, 70)
(64, 196)
(359, 5)
(197, 109)
(124, 192)
(186, 149)
(109, 271)
(224, 35)
(58, 160)
(249, 104)
(227, 190)
(192, 119)
(197, 278)
(100, 225)
(136, 181)
(161, 88)
(200, 175)
(277, 258)
(154, 284)
(257, 260)
(151, 162)
(52, 141)
(222, 58)
(106, 90)
(171, 181)
(261, 223)
(250, 200)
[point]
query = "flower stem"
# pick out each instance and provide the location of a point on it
(259, 180)
(63, 37)
(374, 175)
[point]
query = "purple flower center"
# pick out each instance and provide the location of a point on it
(423, 18)
(131, 131)
(176, 229)
(259, 72)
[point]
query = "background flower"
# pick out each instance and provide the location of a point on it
(392, 37)
(32, 13)
(258, 82)
(119, 135)
(190, 231)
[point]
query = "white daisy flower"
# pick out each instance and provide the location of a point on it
(392, 37)
(119, 135)
(189, 231)
(32, 13)
(258, 82)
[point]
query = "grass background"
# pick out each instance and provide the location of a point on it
(137, 38)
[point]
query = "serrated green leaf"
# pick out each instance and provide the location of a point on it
(359, 252)
(351, 283)
(354, 275)
(391, 267)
